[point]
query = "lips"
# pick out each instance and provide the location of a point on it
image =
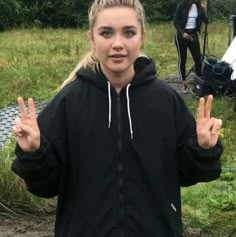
(117, 56)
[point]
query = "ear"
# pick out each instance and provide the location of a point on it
(143, 39)
(90, 36)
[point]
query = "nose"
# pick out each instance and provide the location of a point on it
(118, 43)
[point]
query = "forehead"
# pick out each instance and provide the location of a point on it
(117, 16)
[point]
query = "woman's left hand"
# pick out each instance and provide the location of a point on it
(207, 127)
(204, 4)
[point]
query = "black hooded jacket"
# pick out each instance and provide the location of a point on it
(117, 161)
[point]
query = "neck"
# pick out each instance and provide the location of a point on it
(119, 80)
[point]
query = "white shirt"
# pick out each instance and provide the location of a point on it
(192, 17)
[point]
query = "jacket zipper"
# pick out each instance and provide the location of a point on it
(120, 165)
(119, 123)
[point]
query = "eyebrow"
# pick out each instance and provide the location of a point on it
(110, 28)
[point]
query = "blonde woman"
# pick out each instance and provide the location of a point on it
(116, 144)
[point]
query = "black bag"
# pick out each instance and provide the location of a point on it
(218, 75)
(232, 88)
(201, 86)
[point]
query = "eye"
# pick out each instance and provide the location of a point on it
(106, 33)
(129, 33)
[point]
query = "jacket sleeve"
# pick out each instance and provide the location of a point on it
(195, 164)
(43, 169)
(178, 20)
(204, 16)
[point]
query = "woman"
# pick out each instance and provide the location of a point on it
(188, 20)
(115, 144)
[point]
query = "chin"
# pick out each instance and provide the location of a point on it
(117, 70)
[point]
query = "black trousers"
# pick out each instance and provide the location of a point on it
(194, 47)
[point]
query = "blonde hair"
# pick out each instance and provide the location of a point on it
(90, 60)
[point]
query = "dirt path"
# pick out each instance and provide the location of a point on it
(44, 227)
(27, 227)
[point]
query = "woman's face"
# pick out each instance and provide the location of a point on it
(117, 37)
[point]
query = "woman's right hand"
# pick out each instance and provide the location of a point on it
(26, 127)
(187, 36)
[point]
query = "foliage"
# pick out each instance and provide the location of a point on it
(12, 188)
(9, 13)
(219, 9)
(207, 207)
(73, 13)
(159, 10)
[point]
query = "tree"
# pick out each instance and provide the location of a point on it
(9, 13)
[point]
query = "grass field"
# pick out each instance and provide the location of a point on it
(34, 62)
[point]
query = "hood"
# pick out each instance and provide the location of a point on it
(144, 71)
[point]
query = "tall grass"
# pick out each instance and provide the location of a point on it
(15, 200)
(34, 62)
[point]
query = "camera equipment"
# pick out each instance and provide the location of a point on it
(216, 78)
(219, 76)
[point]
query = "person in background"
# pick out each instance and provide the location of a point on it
(116, 144)
(188, 19)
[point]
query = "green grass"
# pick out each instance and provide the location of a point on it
(14, 198)
(34, 62)
(211, 206)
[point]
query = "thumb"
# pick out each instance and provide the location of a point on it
(216, 126)
(208, 125)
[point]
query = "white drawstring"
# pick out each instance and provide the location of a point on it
(128, 109)
(109, 97)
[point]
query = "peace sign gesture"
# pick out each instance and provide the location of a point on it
(207, 127)
(26, 127)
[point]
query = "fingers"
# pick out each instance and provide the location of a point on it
(32, 112)
(185, 35)
(16, 128)
(204, 108)
(24, 113)
(20, 128)
(201, 108)
(204, 4)
(213, 125)
(18, 124)
(208, 106)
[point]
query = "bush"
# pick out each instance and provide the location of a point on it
(219, 9)
(10, 11)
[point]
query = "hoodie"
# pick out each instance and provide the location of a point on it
(117, 161)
